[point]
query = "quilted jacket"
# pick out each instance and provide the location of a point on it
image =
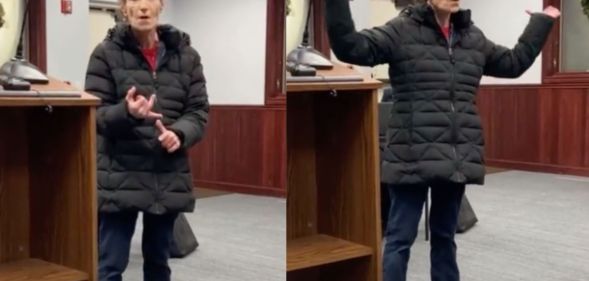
(434, 133)
(134, 171)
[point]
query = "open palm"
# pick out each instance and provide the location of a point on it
(550, 11)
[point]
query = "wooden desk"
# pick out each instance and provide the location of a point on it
(333, 207)
(48, 187)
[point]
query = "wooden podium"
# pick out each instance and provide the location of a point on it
(48, 213)
(333, 207)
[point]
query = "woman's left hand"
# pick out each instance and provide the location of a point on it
(167, 138)
(550, 11)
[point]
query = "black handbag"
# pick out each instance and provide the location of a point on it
(184, 241)
(466, 216)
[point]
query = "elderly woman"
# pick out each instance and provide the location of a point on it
(436, 57)
(154, 108)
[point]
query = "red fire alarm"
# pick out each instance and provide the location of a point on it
(66, 6)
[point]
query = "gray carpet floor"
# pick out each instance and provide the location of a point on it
(532, 227)
(241, 237)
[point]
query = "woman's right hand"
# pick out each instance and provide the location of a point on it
(139, 107)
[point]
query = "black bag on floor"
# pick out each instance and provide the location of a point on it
(466, 216)
(184, 241)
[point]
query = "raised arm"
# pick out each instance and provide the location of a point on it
(368, 47)
(511, 63)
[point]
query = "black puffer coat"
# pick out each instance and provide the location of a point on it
(134, 171)
(435, 132)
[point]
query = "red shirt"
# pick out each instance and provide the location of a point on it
(446, 31)
(150, 55)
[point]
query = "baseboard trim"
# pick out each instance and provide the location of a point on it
(242, 188)
(539, 167)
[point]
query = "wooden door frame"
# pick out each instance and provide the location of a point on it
(37, 34)
(275, 53)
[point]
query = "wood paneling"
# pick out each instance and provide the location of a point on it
(541, 128)
(586, 136)
(244, 150)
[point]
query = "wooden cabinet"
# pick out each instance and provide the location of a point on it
(48, 213)
(333, 216)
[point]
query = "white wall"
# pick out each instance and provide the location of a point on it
(295, 23)
(230, 36)
(10, 32)
(362, 17)
(99, 23)
(381, 11)
(67, 41)
(506, 29)
(361, 13)
(168, 13)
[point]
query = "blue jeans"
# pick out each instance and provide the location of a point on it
(406, 208)
(115, 233)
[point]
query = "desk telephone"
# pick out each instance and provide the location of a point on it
(14, 84)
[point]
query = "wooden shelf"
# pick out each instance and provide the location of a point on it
(319, 250)
(37, 270)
